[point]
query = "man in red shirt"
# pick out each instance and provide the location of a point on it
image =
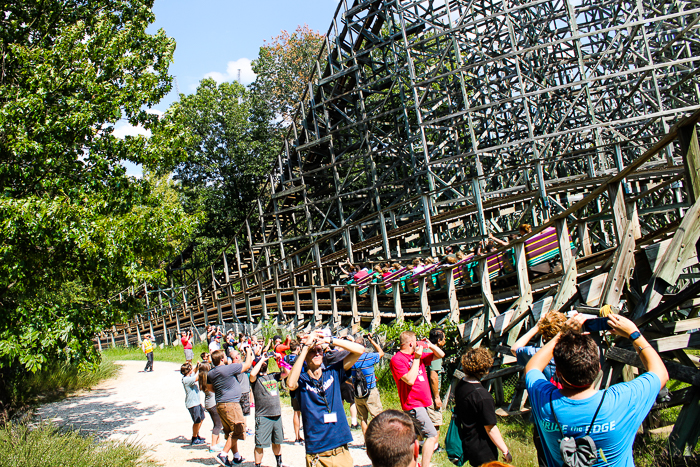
(408, 369)
(187, 345)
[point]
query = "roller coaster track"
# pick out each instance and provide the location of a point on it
(429, 124)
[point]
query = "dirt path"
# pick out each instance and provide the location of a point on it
(150, 408)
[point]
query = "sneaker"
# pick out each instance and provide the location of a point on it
(299, 442)
(197, 441)
(199, 437)
(355, 427)
(239, 460)
(214, 449)
(438, 448)
(223, 460)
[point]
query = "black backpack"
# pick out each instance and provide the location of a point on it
(578, 452)
(359, 384)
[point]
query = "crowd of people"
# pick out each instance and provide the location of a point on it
(575, 424)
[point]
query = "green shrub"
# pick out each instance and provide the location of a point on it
(45, 445)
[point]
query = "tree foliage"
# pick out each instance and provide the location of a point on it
(221, 145)
(74, 228)
(283, 69)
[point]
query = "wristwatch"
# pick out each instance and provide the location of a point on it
(635, 335)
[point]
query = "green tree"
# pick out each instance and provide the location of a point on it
(283, 69)
(74, 228)
(221, 146)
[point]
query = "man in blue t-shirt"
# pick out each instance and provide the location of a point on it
(326, 429)
(372, 404)
(622, 407)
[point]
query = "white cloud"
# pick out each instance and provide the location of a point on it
(231, 74)
(125, 129)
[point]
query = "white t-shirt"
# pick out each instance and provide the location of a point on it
(213, 345)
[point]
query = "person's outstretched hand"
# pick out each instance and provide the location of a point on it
(621, 326)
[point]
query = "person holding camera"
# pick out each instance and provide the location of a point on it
(366, 393)
(192, 400)
(326, 429)
(268, 411)
(579, 420)
(186, 341)
(227, 392)
(408, 370)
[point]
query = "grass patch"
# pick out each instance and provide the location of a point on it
(54, 382)
(44, 445)
(169, 353)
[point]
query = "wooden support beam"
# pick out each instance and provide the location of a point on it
(622, 268)
(675, 370)
(584, 238)
(298, 315)
(690, 148)
(452, 295)
(376, 317)
(335, 319)
(423, 293)
(686, 430)
(396, 292)
(314, 304)
(668, 269)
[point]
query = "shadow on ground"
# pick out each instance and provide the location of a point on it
(93, 415)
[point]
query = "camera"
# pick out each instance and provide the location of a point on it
(596, 325)
(270, 355)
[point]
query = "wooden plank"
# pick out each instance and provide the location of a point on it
(592, 289)
(686, 430)
(682, 247)
(452, 296)
(622, 268)
(541, 307)
(584, 238)
(675, 370)
(567, 287)
(688, 137)
(684, 325)
(424, 303)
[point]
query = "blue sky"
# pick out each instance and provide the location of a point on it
(217, 37)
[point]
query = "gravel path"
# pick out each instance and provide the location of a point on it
(150, 408)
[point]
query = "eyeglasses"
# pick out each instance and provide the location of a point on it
(316, 350)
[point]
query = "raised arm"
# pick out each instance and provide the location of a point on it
(410, 376)
(527, 337)
(293, 378)
(256, 369)
(376, 346)
(437, 351)
(624, 327)
(248, 360)
(354, 348)
(498, 240)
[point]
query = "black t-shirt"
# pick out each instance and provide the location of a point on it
(475, 409)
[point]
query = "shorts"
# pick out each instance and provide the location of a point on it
(338, 457)
(216, 420)
(189, 355)
(197, 413)
(347, 393)
(232, 419)
(268, 430)
(435, 415)
(422, 422)
(370, 405)
(295, 404)
(245, 403)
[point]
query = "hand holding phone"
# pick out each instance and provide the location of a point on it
(596, 325)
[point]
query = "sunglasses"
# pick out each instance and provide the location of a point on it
(316, 350)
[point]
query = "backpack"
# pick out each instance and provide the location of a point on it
(359, 384)
(453, 442)
(577, 452)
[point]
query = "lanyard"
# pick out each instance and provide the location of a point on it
(318, 384)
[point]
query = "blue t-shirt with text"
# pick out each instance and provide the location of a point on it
(366, 363)
(623, 410)
(320, 397)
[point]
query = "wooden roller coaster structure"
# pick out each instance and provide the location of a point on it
(429, 124)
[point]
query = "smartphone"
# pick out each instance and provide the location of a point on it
(325, 332)
(596, 325)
